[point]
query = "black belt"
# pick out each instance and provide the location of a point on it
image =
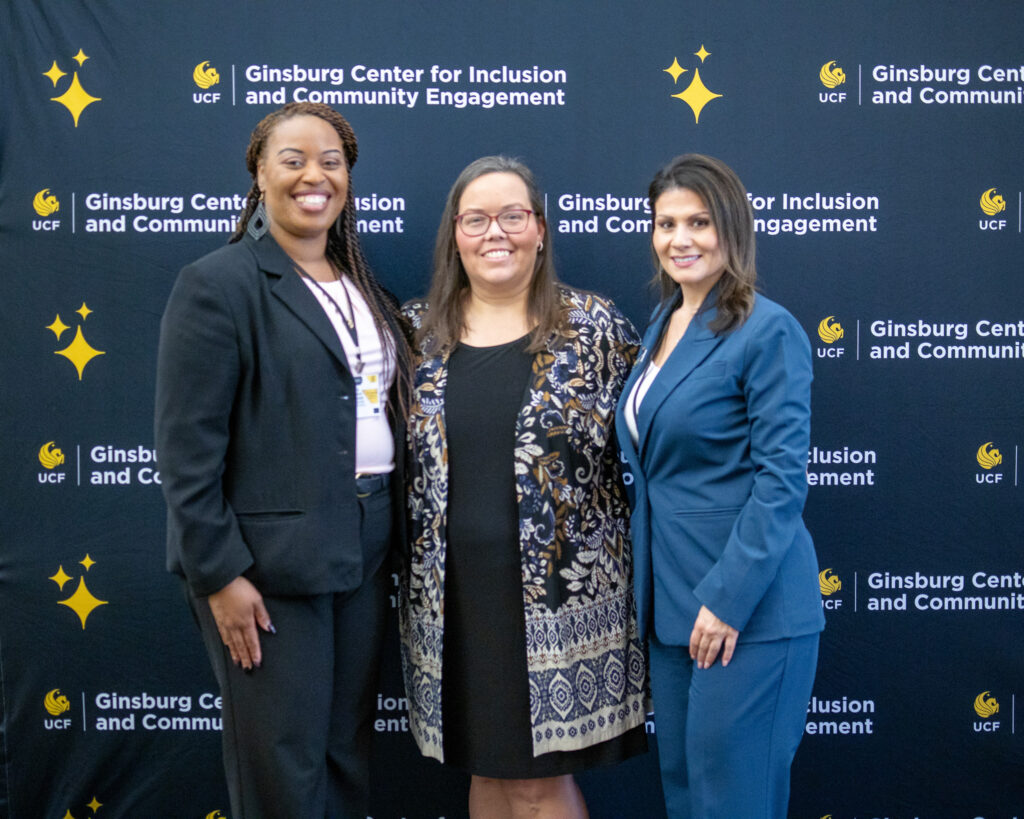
(367, 483)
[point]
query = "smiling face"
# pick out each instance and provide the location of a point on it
(304, 179)
(498, 263)
(686, 242)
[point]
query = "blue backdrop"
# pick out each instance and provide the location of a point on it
(882, 146)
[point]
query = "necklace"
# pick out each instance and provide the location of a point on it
(348, 319)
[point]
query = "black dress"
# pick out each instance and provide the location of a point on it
(485, 685)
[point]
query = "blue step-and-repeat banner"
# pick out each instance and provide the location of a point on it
(883, 147)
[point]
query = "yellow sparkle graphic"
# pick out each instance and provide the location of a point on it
(88, 562)
(94, 805)
(83, 311)
(68, 815)
(80, 57)
(696, 95)
(79, 352)
(703, 53)
(57, 327)
(54, 73)
(675, 70)
(61, 578)
(76, 99)
(82, 602)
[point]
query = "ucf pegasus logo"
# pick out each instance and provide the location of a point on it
(47, 206)
(989, 457)
(205, 76)
(50, 458)
(986, 706)
(75, 98)
(830, 331)
(833, 78)
(992, 204)
(829, 583)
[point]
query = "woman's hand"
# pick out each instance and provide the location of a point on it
(709, 636)
(238, 609)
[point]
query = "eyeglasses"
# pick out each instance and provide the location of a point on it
(477, 224)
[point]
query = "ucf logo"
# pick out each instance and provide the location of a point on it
(50, 457)
(988, 458)
(992, 203)
(831, 76)
(45, 205)
(205, 76)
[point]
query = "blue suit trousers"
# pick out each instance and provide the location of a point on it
(727, 736)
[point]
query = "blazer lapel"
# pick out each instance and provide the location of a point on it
(696, 345)
(295, 294)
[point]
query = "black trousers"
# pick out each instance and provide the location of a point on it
(297, 730)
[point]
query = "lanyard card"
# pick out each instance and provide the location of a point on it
(368, 404)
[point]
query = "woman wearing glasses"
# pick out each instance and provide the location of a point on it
(520, 647)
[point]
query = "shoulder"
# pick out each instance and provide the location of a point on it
(585, 311)
(772, 331)
(414, 311)
(236, 255)
(232, 264)
(769, 315)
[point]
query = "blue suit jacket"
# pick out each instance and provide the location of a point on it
(720, 480)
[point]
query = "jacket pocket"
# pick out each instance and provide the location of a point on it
(269, 516)
(713, 369)
(707, 513)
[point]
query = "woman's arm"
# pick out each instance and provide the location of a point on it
(776, 377)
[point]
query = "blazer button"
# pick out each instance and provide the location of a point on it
(343, 452)
(344, 397)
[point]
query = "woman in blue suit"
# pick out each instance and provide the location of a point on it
(715, 425)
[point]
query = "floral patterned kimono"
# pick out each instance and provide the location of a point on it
(585, 662)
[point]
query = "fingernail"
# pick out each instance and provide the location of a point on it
(271, 629)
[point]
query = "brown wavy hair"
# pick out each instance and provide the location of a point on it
(343, 248)
(445, 319)
(733, 218)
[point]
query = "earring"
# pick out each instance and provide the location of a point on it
(258, 222)
(540, 245)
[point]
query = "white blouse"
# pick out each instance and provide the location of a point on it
(375, 445)
(636, 398)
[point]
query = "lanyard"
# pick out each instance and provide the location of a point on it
(348, 319)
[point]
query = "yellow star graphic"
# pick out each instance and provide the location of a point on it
(79, 352)
(696, 95)
(82, 602)
(76, 99)
(57, 327)
(703, 53)
(68, 815)
(675, 70)
(80, 57)
(83, 311)
(94, 805)
(61, 578)
(88, 562)
(54, 73)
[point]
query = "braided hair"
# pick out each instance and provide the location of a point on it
(343, 248)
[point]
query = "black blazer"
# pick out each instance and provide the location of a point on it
(256, 429)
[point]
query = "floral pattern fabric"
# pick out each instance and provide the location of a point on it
(586, 665)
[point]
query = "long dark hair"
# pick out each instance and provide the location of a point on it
(445, 320)
(343, 248)
(733, 219)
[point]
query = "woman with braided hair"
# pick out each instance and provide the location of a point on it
(282, 392)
